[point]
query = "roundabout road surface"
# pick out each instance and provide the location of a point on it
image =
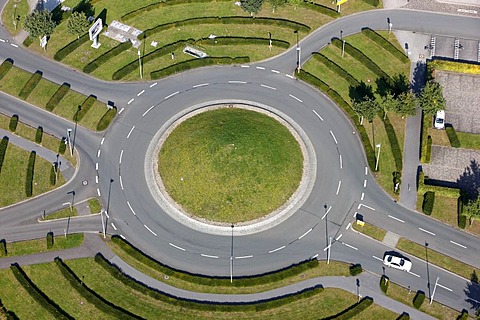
(114, 166)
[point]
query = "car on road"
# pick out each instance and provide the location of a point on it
(440, 119)
(397, 262)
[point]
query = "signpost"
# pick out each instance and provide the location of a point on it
(94, 31)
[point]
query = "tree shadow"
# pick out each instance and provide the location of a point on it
(469, 181)
(86, 7)
(419, 77)
(400, 84)
(472, 291)
(383, 86)
(360, 92)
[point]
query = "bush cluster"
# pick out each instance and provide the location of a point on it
(69, 48)
(385, 44)
(5, 67)
(310, 5)
(13, 123)
(106, 119)
(356, 269)
(428, 202)
(39, 135)
(93, 65)
(394, 144)
(384, 283)
(30, 85)
(360, 57)
(353, 310)
(84, 108)
(3, 248)
(50, 240)
(418, 299)
(336, 68)
(452, 136)
(57, 96)
(38, 295)
(30, 172)
(3, 150)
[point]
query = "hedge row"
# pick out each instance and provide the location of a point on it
(3, 248)
(336, 68)
(462, 219)
(3, 150)
(222, 41)
(463, 315)
(13, 123)
(57, 96)
(106, 119)
(394, 144)
(91, 296)
(50, 240)
(403, 316)
(62, 147)
(259, 305)
(428, 202)
(360, 57)
(37, 294)
(39, 135)
(355, 269)
(385, 44)
(53, 174)
(439, 191)
(93, 65)
(69, 48)
(30, 171)
(310, 5)
(248, 281)
(353, 310)
(452, 136)
(5, 67)
(374, 3)
(384, 283)
(418, 299)
(84, 108)
(30, 85)
(196, 63)
(425, 155)
(428, 153)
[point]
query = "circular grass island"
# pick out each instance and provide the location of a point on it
(230, 165)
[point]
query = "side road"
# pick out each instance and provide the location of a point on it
(368, 284)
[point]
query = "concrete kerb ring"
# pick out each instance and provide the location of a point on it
(175, 211)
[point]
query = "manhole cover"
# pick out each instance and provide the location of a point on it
(84, 182)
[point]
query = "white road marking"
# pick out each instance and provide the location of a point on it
(208, 256)
(201, 85)
(348, 226)
(377, 258)
(244, 257)
(317, 115)
(395, 218)
(177, 247)
(153, 85)
(101, 142)
(326, 212)
(338, 238)
(416, 275)
(341, 163)
(113, 226)
(131, 209)
(303, 235)
(146, 227)
(348, 245)
(13, 45)
(292, 96)
(245, 66)
(96, 179)
(236, 81)
(106, 213)
(130, 101)
(98, 153)
(121, 156)
(333, 136)
(275, 71)
(458, 244)
(140, 93)
(268, 87)
(148, 110)
(364, 205)
(171, 95)
(122, 236)
(315, 256)
(96, 166)
(363, 196)
(446, 288)
(365, 183)
(98, 191)
(2, 40)
(290, 76)
(131, 130)
(338, 188)
(65, 203)
(275, 250)
(121, 182)
(121, 110)
(260, 68)
(366, 170)
(426, 231)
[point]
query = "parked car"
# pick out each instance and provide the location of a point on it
(397, 262)
(440, 119)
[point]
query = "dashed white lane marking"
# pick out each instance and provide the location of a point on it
(348, 245)
(131, 209)
(366, 170)
(208, 256)
(122, 236)
(458, 244)
(121, 110)
(98, 153)
(326, 212)
(365, 183)
(292, 96)
(13, 45)
(171, 95)
(153, 84)
(237, 81)
(176, 247)
(243, 66)
(416, 275)
(103, 140)
(268, 87)
(121, 156)
(317, 115)
(275, 250)
(363, 196)
(348, 226)
(377, 258)
(140, 93)
(130, 101)
(106, 213)
(148, 110)
(131, 130)
(201, 85)
(426, 231)
(260, 68)
(113, 226)
(121, 182)
(2, 40)
(151, 231)
(275, 71)
(98, 191)
(338, 188)
(364, 205)
(341, 162)
(244, 257)
(96, 166)
(446, 288)
(290, 76)
(338, 238)
(303, 235)
(395, 218)
(96, 179)
(333, 136)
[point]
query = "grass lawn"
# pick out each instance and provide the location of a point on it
(469, 140)
(439, 137)
(231, 165)
(437, 258)
(40, 245)
(370, 230)
(94, 205)
(63, 213)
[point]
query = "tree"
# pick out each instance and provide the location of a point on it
(367, 108)
(471, 210)
(431, 98)
(407, 104)
(252, 6)
(77, 24)
(388, 103)
(39, 24)
(295, 3)
(276, 4)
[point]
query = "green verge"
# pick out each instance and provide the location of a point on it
(94, 205)
(63, 213)
(469, 140)
(370, 230)
(20, 248)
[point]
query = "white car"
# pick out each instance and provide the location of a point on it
(440, 119)
(397, 262)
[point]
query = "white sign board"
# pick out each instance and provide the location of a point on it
(95, 29)
(43, 41)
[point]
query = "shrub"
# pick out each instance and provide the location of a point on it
(85, 107)
(93, 65)
(462, 219)
(28, 41)
(439, 191)
(428, 153)
(397, 181)
(394, 145)
(463, 315)
(30, 172)
(50, 240)
(30, 85)
(418, 299)
(428, 201)
(69, 48)
(62, 146)
(57, 96)
(37, 294)
(385, 44)
(384, 283)
(452, 136)
(403, 316)
(106, 119)
(5, 67)
(39, 135)
(3, 247)
(356, 269)
(335, 68)
(353, 310)
(13, 123)
(3, 150)
(319, 8)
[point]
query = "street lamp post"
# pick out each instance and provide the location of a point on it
(108, 198)
(69, 141)
(140, 63)
(73, 199)
(231, 258)
(434, 288)
(343, 48)
(378, 156)
(270, 41)
(428, 270)
(298, 49)
(75, 130)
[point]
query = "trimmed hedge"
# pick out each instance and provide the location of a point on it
(106, 119)
(428, 153)
(336, 68)
(30, 85)
(403, 316)
(353, 310)
(452, 136)
(384, 283)
(91, 296)
(428, 202)
(3, 150)
(57, 96)
(360, 57)
(424, 139)
(223, 41)
(397, 179)
(69, 48)
(53, 174)
(54, 309)
(93, 65)
(320, 9)
(62, 146)
(5, 67)
(3, 247)
(418, 299)
(84, 108)
(39, 135)
(50, 240)
(374, 3)
(356, 269)
(28, 41)
(30, 172)
(394, 144)
(463, 315)
(13, 123)
(385, 44)
(439, 191)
